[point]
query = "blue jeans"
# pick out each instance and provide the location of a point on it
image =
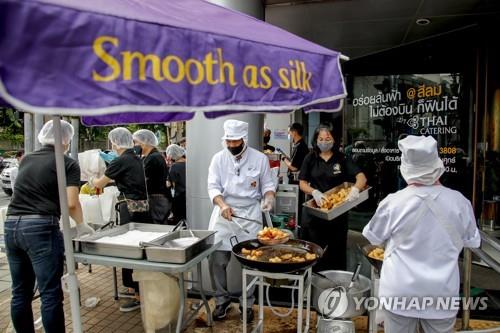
(35, 249)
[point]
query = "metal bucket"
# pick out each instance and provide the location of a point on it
(341, 279)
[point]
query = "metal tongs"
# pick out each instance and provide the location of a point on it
(247, 219)
(240, 226)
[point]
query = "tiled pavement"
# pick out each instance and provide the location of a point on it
(106, 317)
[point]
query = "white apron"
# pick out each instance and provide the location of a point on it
(226, 229)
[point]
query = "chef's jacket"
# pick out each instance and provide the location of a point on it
(242, 183)
(422, 249)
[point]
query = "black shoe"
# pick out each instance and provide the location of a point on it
(130, 306)
(249, 314)
(221, 311)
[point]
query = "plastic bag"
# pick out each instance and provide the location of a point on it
(91, 164)
(160, 299)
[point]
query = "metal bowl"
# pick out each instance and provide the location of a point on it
(342, 279)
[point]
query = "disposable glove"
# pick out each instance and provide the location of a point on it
(318, 197)
(83, 229)
(267, 204)
(354, 194)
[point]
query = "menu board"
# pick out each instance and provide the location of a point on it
(384, 109)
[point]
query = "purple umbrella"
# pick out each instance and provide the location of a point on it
(118, 61)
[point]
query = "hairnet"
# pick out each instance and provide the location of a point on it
(175, 151)
(146, 137)
(121, 138)
(47, 133)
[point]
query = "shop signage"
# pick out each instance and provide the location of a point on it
(384, 109)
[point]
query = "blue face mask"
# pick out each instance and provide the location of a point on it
(108, 157)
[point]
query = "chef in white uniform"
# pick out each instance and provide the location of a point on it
(239, 183)
(424, 228)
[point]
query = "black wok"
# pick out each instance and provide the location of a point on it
(292, 246)
(375, 262)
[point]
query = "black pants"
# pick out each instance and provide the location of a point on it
(159, 208)
(126, 217)
(179, 208)
(332, 233)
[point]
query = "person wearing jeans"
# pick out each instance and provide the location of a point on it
(35, 250)
(33, 240)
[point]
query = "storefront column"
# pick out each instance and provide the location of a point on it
(38, 124)
(28, 132)
(203, 139)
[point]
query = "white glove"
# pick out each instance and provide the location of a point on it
(354, 194)
(267, 204)
(226, 212)
(83, 229)
(318, 197)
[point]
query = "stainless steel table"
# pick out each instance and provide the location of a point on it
(175, 269)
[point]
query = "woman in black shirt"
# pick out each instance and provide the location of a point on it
(156, 171)
(128, 173)
(324, 168)
(33, 239)
(177, 180)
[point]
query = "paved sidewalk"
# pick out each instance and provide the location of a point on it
(106, 316)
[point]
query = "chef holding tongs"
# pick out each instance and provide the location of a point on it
(239, 184)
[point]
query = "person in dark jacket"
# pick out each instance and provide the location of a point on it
(156, 174)
(177, 180)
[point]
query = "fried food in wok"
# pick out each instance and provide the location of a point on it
(335, 199)
(278, 256)
(377, 253)
(271, 234)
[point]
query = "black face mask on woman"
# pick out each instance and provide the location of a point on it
(236, 150)
(138, 150)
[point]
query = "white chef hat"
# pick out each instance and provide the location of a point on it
(121, 137)
(175, 151)
(146, 137)
(47, 133)
(420, 162)
(235, 130)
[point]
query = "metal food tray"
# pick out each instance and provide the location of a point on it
(339, 210)
(180, 255)
(89, 245)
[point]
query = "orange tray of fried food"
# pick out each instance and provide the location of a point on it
(335, 199)
(336, 202)
(272, 236)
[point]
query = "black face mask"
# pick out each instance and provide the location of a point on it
(138, 150)
(236, 150)
(267, 139)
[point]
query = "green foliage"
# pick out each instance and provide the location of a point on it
(11, 127)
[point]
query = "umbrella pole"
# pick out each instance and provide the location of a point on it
(70, 278)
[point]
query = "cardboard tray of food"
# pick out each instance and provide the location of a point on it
(108, 243)
(330, 214)
(172, 249)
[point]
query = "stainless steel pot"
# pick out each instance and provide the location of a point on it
(341, 279)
